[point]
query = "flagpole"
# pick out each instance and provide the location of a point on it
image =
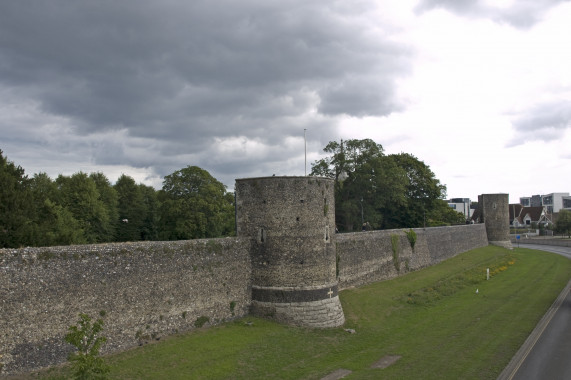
(305, 147)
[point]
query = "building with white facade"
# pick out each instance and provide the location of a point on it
(461, 205)
(553, 202)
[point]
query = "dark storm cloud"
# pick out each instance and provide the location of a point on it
(544, 122)
(356, 96)
(184, 72)
(521, 14)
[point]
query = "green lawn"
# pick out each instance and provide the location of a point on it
(432, 318)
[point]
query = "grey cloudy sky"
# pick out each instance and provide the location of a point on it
(147, 87)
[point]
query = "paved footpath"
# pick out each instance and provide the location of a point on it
(546, 354)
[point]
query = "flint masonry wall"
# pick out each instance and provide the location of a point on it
(367, 257)
(147, 290)
(290, 222)
(495, 215)
(152, 289)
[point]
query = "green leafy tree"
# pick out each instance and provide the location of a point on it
(58, 226)
(423, 191)
(194, 205)
(342, 165)
(86, 362)
(132, 211)
(80, 196)
(108, 196)
(43, 191)
(43, 187)
(150, 227)
(563, 223)
(367, 185)
(385, 191)
(229, 218)
(16, 228)
(443, 215)
(390, 194)
(55, 225)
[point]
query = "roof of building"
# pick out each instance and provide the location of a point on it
(534, 213)
(476, 216)
(515, 207)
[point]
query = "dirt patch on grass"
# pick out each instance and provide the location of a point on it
(339, 374)
(386, 361)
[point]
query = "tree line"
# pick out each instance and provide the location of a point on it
(85, 209)
(382, 191)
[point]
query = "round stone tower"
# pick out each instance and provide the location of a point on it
(494, 213)
(291, 223)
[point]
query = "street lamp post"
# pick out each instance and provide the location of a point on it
(362, 217)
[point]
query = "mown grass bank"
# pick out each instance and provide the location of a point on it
(433, 319)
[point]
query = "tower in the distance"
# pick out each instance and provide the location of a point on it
(494, 213)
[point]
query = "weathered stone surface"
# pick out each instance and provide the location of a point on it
(146, 290)
(291, 223)
(494, 214)
(314, 314)
(366, 257)
(151, 289)
(297, 294)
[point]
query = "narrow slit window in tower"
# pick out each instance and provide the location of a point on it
(262, 235)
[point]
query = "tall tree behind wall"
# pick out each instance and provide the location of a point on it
(383, 191)
(423, 190)
(444, 215)
(82, 209)
(15, 201)
(150, 227)
(107, 195)
(193, 205)
(131, 209)
(54, 224)
(366, 183)
(80, 196)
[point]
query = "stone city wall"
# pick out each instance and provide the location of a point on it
(151, 289)
(366, 257)
(145, 290)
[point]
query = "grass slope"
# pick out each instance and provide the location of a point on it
(433, 318)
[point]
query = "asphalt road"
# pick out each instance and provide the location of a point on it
(546, 354)
(563, 251)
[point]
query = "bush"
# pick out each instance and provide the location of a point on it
(411, 236)
(86, 362)
(563, 224)
(200, 321)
